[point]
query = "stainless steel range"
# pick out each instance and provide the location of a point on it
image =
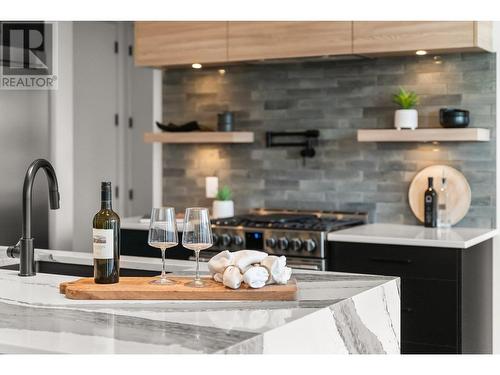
(300, 235)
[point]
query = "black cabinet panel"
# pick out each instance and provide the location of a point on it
(135, 242)
(429, 312)
(393, 260)
(430, 289)
(446, 304)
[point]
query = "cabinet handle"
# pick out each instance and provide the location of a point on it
(407, 309)
(387, 260)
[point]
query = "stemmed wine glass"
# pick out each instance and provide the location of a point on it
(163, 235)
(197, 236)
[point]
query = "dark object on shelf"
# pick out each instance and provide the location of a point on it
(190, 126)
(311, 140)
(225, 121)
(430, 205)
(454, 118)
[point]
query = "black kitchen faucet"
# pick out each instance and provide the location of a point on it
(25, 249)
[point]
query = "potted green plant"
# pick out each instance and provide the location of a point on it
(223, 206)
(407, 116)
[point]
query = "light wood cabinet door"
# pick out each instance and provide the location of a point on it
(180, 43)
(402, 37)
(276, 40)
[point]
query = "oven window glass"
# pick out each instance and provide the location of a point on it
(254, 240)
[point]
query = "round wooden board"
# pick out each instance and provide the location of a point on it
(459, 194)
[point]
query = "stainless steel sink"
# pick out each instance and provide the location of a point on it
(80, 270)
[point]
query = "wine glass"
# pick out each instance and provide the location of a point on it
(197, 236)
(163, 235)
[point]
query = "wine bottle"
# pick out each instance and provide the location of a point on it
(443, 220)
(106, 240)
(430, 205)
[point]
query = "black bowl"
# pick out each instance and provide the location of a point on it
(454, 118)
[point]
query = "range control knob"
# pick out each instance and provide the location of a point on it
(225, 239)
(283, 243)
(271, 242)
(309, 245)
(295, 244)
(215, 239)
(237, 240)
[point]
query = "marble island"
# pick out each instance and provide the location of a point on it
(334, 313)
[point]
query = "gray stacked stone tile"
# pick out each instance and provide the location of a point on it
(336, 97)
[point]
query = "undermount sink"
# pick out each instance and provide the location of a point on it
(80, 270)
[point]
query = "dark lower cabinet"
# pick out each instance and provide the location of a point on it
(430, 311)
(446, 293)
(417, 348)
(135, 242)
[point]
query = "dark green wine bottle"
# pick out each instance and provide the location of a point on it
(106, 240)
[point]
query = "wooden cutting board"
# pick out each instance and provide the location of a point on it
(140, 288)
(459, 193)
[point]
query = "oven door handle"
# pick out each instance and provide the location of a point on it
(312, 267)
(202, 258)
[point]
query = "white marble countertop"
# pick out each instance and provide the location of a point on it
(334, 313)
(413, 235)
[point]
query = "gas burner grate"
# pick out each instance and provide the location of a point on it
(288, 222)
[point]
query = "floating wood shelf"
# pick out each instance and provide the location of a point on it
(200, 137)
(424, 135)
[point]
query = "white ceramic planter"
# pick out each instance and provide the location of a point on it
(406, 119)
(222, 209)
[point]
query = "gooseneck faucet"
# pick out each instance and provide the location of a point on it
(24, 248)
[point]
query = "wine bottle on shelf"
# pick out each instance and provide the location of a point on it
(443, 220)
(430, 205)
(106, 240)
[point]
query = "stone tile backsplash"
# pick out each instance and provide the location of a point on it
(336, 97)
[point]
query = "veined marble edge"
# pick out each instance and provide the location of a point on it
(259, 339)
(385, 240)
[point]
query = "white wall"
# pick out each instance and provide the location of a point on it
(496, 240)
(24, 137)
(61, 141)
(157, 165)
(139, 106)
(93, 85)
(97, 140)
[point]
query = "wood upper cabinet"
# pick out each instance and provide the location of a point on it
(275, 40)
(180, 43)
(400, 37)
(159, 44)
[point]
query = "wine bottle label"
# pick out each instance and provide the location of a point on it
(103, 243)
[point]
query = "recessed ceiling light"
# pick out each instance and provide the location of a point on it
(421, 52)
(222, 71)
(196, 66)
